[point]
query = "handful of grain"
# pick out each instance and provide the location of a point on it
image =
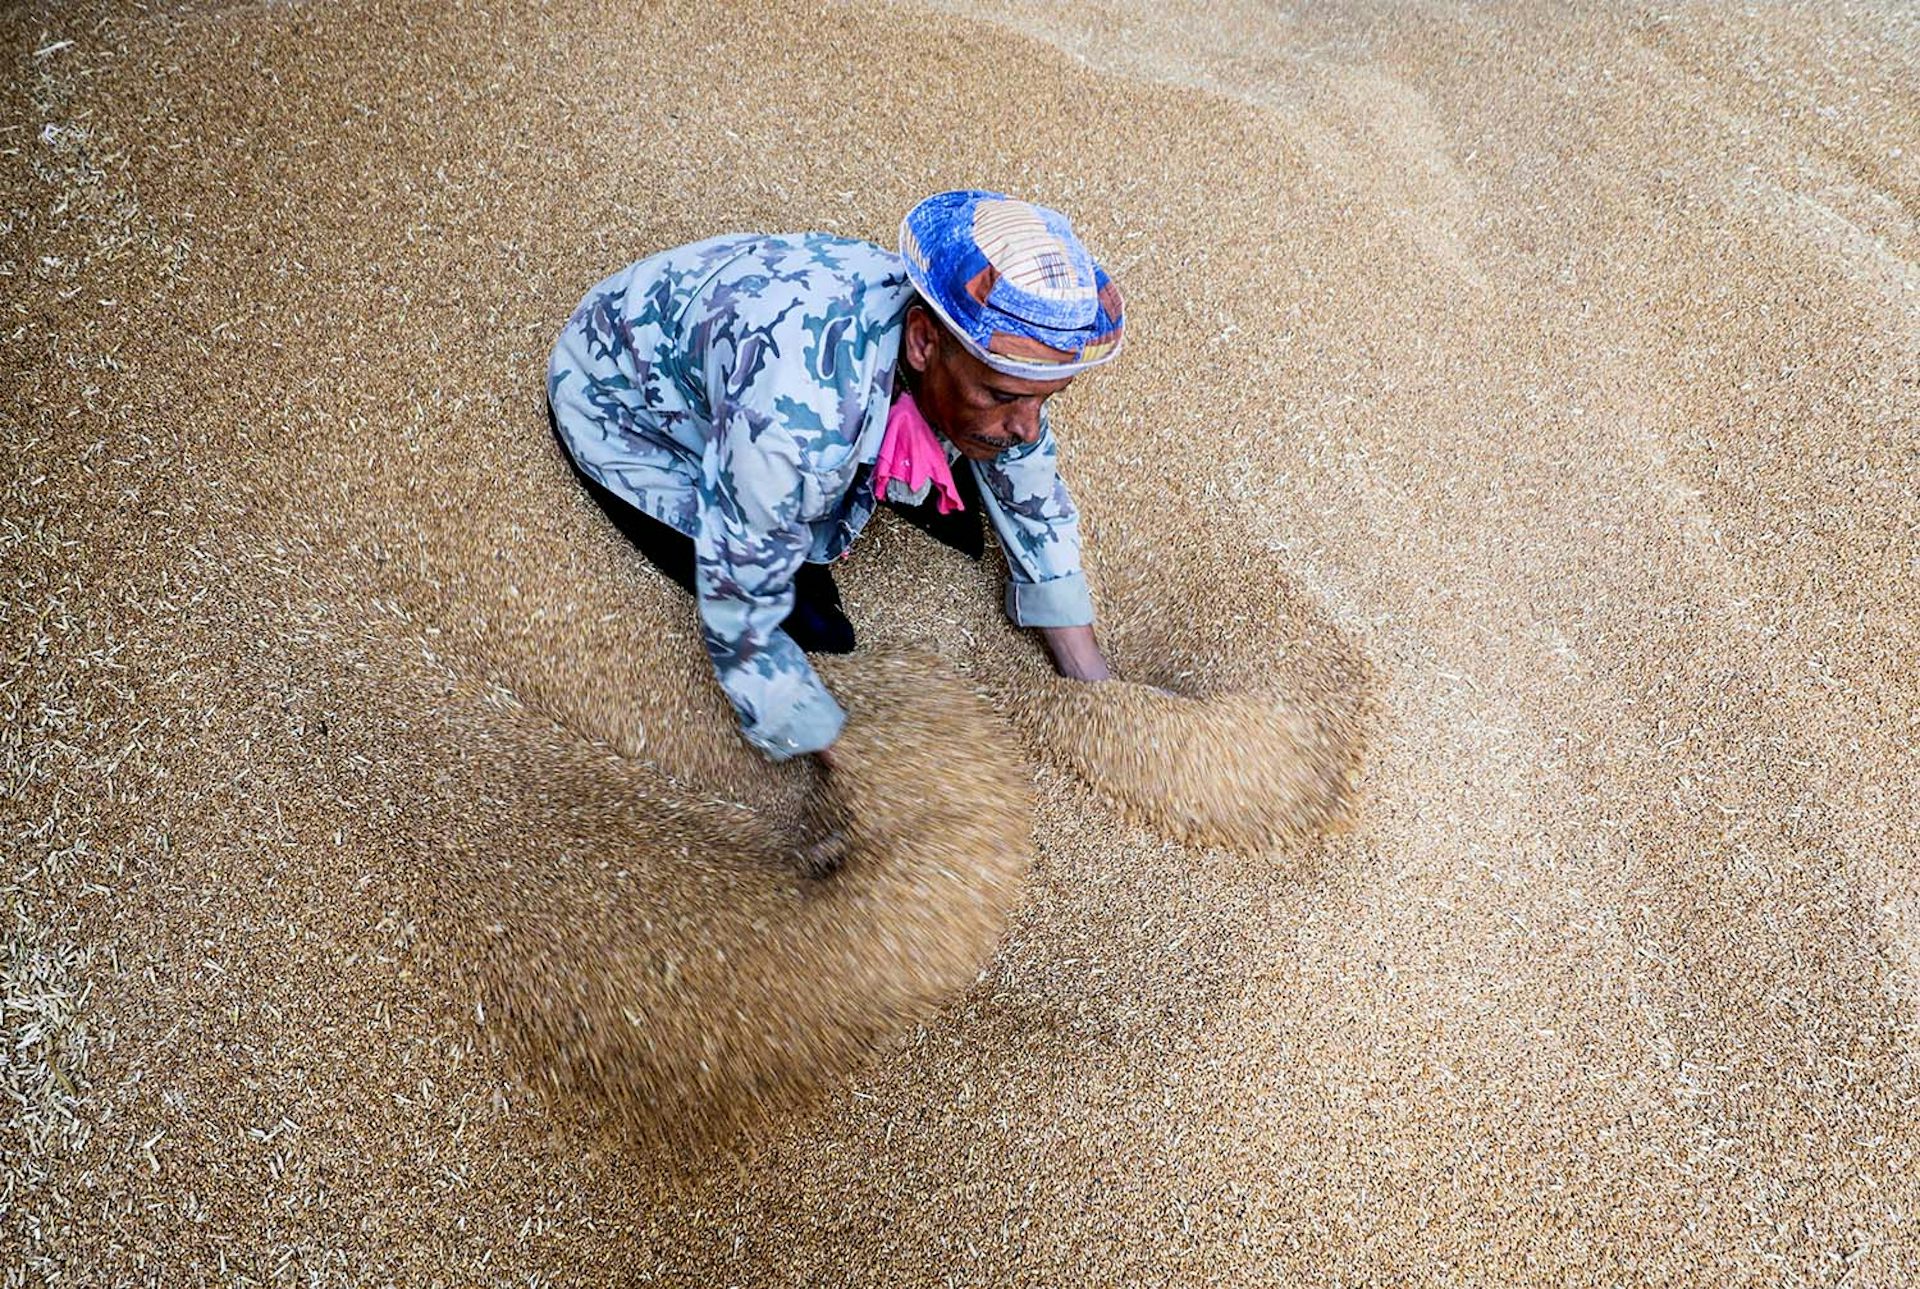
(1237, 770)
(684, 978)
(1240, 722)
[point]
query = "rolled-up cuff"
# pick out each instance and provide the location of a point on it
(1056, 602)
(813, 722)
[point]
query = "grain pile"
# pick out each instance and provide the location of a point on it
(679, 972)
(1556, 359)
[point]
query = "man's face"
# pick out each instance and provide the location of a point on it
(982, 412)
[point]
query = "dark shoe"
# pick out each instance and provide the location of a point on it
(963, 530)
(960, 531)
(819, 628)
(816, 623)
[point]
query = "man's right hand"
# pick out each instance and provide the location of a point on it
(826, 847)
(822, 856)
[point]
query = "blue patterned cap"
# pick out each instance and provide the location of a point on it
(1013, 283)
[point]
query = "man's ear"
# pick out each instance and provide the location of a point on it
(923, 334)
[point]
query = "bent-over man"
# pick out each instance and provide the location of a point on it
(740, 406)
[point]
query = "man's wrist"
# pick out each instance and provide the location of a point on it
(1075, 653)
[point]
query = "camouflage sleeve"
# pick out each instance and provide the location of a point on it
(1027, 503)
(753, 537)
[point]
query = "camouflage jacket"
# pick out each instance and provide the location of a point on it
(733, 389)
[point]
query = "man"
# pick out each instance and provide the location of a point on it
(740, 406)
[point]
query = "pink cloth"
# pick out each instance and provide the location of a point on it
(910, 451)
